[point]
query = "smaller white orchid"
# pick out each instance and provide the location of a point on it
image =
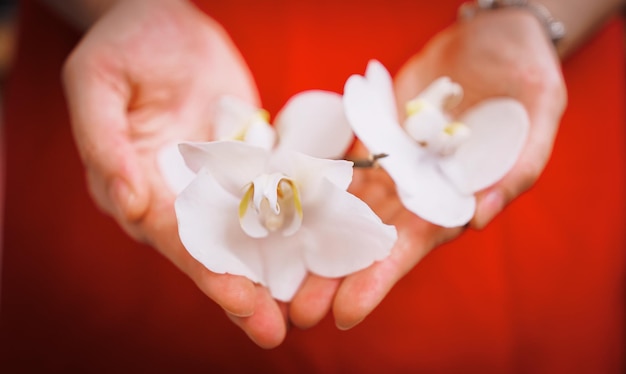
(272, 216)
(311, 122)
(438, 163)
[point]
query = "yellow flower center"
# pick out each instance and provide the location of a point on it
(414, 106)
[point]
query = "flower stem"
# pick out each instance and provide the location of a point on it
(370, 162)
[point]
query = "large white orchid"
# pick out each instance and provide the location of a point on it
(272, 216)
(258, 208)
(436, 161)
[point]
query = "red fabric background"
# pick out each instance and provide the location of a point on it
(540, 290)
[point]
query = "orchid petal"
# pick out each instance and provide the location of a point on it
(380, 80)
(233, 164)
(422, 188)
(313, 122)
(172, 166)
(425, 191)
(283, 265)
(371, 120)
(210, 231)
(499, 128)
(343, 235)
(307, 171)
(260, 134)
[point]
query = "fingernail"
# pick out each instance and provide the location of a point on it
(490, 206)
(125, 200)
(237, 315)
(347, 326)
(240, 314)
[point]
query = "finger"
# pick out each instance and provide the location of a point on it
(313, 301)
(97, 99)
(315, 297)
(361, 292)
(267, 327)
(235, 294)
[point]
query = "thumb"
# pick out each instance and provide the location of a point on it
(97, 101)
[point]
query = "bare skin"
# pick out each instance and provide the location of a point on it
(123, 113)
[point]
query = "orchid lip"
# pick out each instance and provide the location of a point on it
(432, 129)
(271, 204)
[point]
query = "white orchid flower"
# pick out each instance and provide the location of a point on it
(312, 122)
(251, 205)
(438, 163)
(274, 215)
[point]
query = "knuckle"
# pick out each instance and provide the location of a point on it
(545, 82)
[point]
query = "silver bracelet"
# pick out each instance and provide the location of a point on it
(554, 28)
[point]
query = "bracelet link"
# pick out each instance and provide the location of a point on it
(555, 28)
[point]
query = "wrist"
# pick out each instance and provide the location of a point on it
(554, 29)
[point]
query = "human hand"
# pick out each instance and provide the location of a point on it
(499, 53)
(505, 52)
(355, 296)
(147, 74)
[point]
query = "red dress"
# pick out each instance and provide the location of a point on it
(540, 290)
